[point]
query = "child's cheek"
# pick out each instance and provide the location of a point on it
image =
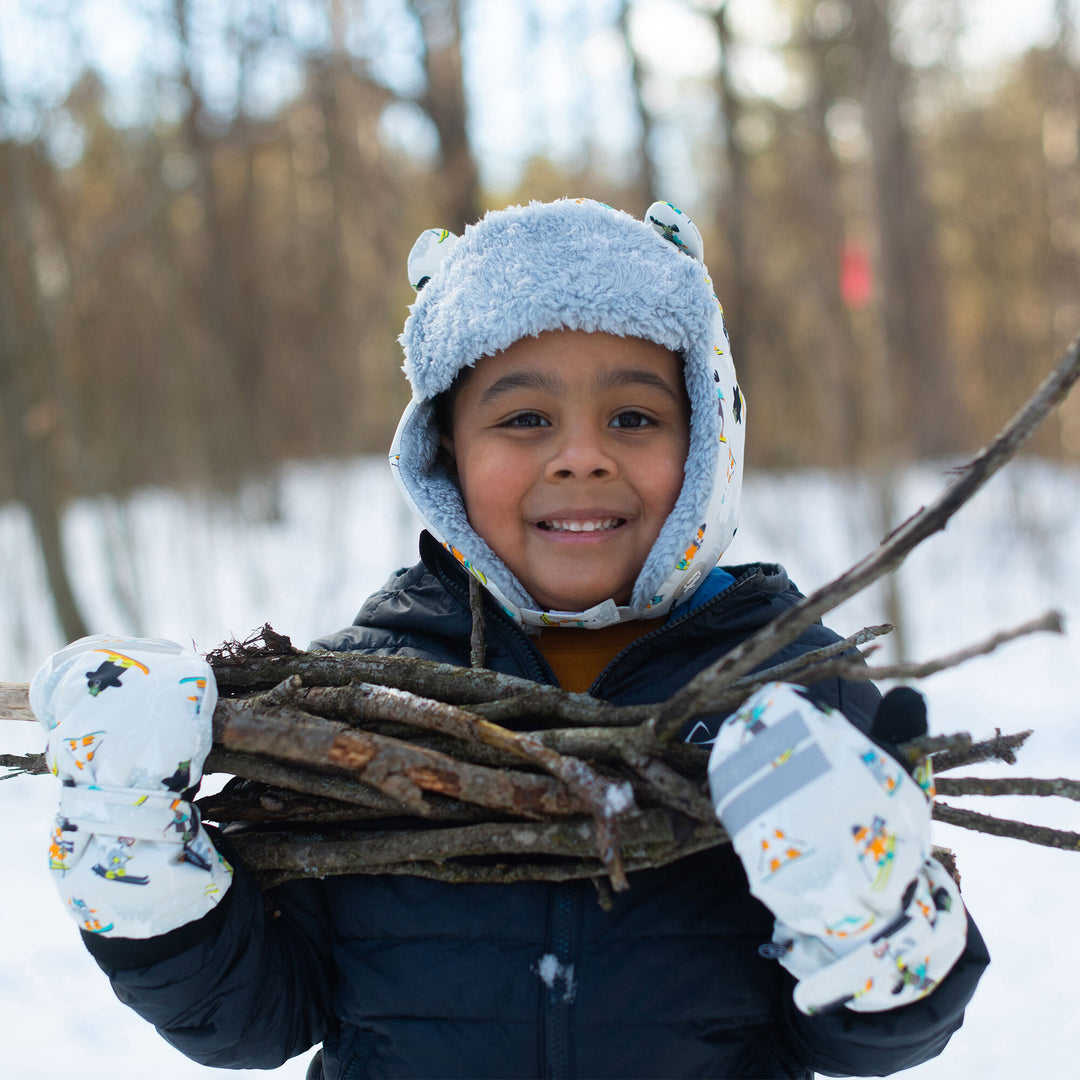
(494, 479)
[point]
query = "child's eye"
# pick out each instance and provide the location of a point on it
(526, 420)
(632, 419)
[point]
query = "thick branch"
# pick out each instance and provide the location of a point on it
(654, 837)
(671, 789)
(393, 766)
(366, 703)
(546, 704)
(615, 746)
(443, 682)
(251, 801)
(15, 702)
(491, 873)
(334, 786)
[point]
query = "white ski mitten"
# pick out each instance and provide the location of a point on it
(129, 724)
(834, 836)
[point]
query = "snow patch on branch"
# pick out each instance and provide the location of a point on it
(618, 797)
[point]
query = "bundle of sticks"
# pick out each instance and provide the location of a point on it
(357, 764)
(349, 763)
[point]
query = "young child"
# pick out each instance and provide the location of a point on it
(575, 443)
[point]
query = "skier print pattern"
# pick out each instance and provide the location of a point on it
(127, 738)
(867, 920)
(774, 754)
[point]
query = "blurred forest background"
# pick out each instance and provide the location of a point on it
(205, 208)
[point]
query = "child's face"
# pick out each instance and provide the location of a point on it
(570, 450)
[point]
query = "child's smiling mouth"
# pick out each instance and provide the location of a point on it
(580, 525)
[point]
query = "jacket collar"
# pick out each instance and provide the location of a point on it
(752, 581)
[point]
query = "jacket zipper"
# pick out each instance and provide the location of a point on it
(557, 1039)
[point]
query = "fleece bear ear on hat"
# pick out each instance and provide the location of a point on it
(675, 227)
(431, 249)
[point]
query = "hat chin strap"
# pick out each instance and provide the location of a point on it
(606, 613)
(595, 618)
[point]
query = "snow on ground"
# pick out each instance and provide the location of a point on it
(304, 552)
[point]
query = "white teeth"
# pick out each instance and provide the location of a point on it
(582, 526)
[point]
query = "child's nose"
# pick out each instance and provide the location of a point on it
(581, 454)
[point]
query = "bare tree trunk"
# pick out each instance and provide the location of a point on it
(909, 266)
(1061, 134)
(643, 189)
(734, 211)
(229, 285)
(836, 385)
(28, 418)
(444, 102)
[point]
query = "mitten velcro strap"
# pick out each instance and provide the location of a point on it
(141, 815)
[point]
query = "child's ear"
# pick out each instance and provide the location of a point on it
(445, 455)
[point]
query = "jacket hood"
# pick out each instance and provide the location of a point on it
(577, 265)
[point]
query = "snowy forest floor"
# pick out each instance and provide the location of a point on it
(302, 552)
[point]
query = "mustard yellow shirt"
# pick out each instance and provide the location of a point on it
(578, 656)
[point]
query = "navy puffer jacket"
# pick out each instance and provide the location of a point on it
(403, 977)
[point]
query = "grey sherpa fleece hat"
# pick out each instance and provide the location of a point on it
(579, 265)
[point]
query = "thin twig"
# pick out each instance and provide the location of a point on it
(1016, 830)
(23, 765)
(784, 672)
(477, 647)
(1051, 622)
(999, 748)
(924, 746)
(1008, 785)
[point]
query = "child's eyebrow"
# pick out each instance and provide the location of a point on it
(612, 380)
(550, 384)
(522, 380)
